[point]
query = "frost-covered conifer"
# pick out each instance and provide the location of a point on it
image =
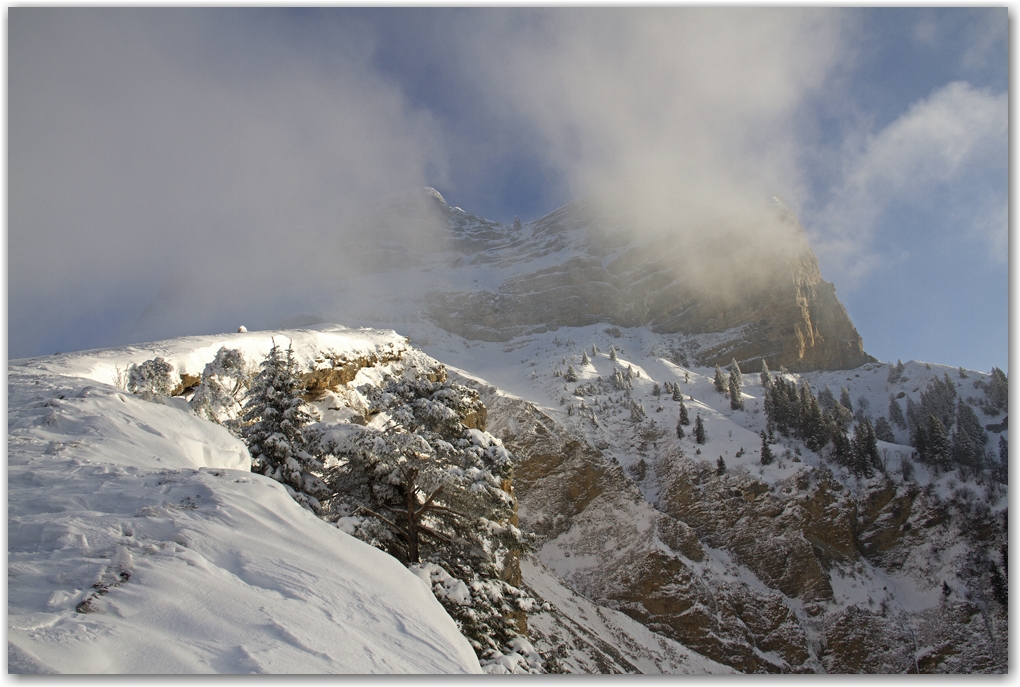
(437, 495)
(225, 382)
(883, 430)
(677, 393)
(735, 371)
(719, 380)
(765, 376)
(844, 399)
(766, 450)
(684, 418)
(273, 427)
(571, 374)
(699, 430)
(585, 360)
(656, 390)
(612, 353)
(896, 414)
(736, 397)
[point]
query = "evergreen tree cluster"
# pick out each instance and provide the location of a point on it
(944, 430)
(794, 411)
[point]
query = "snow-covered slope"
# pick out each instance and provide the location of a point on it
(139, 542)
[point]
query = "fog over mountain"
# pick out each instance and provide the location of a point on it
(150, 146)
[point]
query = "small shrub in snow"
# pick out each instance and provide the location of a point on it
(152, 378)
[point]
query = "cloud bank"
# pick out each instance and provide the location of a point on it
(160, 144)
(942, 149)
(225, 151)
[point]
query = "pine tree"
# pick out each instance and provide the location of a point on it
(677, 393)
(842, 452)
(896, 414)
(735, 370)
(736, 397)
(720, 466)
(895, 372)
(997, 391)
(766, 450)
(656, 391)
(684, 418)
(272, 426)
(680, 434)
(884, 431)
(765, 376)
(699, 430)
(571, 374)
(826, 400)
(864, 448)
(437, 496)
(844, 399)
(584, 358)
(612, 353)
(719, 381)
(932, 442)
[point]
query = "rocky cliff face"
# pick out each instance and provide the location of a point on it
(752, 276)
(808, 572)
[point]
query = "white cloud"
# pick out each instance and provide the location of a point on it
(939, 147)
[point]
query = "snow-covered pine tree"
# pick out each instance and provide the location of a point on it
(571, 374)
(436, 495)
(766, 450)
(612, 353)
(997, 392)
(765, 376)
(736, 397)
(273, 427)
(585, 360)
(735, 370)
(684, 417)
(225, 382)
(844, 399)
(864, 449)
(884, 431)
(720, 466)
(896, 413)
(656, 390)
(719, 380)
(677, 393)
(699, 430)
(680, 433)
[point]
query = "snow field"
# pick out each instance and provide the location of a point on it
(138, 542)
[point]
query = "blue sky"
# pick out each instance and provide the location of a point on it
(143, 141)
